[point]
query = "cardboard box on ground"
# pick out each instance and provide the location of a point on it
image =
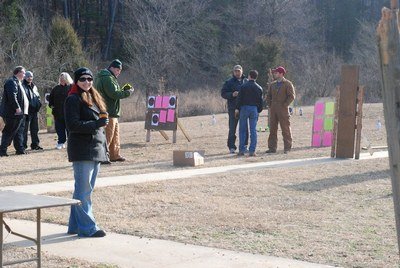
(188, 157)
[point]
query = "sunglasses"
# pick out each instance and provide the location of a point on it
(83, 79)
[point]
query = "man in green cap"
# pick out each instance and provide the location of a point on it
(106, 83)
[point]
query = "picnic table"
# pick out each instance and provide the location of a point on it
(11, 201)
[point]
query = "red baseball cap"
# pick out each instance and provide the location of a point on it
(279, 69)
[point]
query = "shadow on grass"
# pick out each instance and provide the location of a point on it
(338, 181)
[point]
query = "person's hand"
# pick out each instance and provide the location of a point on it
(127, 87)
(236, 114)
(18, 111)
(131, 91)
(101, 122)
(235, 93)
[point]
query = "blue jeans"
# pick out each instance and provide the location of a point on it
(81, 219)
(250, 114)
(61, 130)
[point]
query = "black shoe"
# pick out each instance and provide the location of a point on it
(269, 151)
(108, 162)
(3, 154)
(37, 148)
(252, 154)
(286, 151)
(21, 152)
(72, 232)
(99, 233)
(240, 154)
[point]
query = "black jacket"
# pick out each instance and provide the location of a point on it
(86, 142)
(33, 96)
(250, 93)
(231, 85)
(56, 100)
(12, 98)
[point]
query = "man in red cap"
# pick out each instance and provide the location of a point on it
(280, 95)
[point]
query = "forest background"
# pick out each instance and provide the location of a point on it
(193, 44)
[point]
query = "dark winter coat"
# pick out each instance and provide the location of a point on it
(86, 141)
(250, 94)
(33, 96)
(56, 100)
(231, 85)
(12, 98)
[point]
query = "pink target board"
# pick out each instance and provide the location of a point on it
(323, 121)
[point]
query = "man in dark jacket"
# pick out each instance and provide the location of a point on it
(249, 105)
(14, 107)
(106, 83)
(32, 121)
(230, 91)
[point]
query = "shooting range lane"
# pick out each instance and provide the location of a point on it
(62, 186)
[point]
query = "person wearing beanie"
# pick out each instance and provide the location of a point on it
(85, 118)
(32, 121)
(280, 95)
(107, 85)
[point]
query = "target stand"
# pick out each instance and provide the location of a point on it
(162, 115)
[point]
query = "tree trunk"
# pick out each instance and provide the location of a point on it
(113, 8)
(65, 9)
(389, 52)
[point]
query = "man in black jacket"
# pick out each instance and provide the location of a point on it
(230, 91)
(14, 107)
(249, 105)
(32, 121)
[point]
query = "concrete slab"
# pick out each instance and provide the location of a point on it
(131, 251)
(182, 174)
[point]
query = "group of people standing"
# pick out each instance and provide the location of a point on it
(19, 109)
(245, 102)
(86, 116)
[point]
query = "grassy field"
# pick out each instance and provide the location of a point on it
(338, 214)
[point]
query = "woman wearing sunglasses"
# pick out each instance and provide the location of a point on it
(85, 120)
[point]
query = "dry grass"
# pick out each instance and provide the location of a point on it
(339, 213)
(190, 103)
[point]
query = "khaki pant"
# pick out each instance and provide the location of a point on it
(279, 113)
(112, 135)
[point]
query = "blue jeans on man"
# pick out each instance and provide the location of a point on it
(81, 220)
(248, 115)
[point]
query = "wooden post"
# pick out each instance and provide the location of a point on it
(333, 148)
(162, 132)
(347, 112)
(360, 102)
(389, 54)
(148, 135)
(184, 131)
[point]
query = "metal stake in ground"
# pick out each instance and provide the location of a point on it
(389, 53)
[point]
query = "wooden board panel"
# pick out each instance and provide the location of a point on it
(347, 112)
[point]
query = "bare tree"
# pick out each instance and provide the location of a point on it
(168, 38)
(365, 54)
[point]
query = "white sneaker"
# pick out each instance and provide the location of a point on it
(59, 146)
(64, 146)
